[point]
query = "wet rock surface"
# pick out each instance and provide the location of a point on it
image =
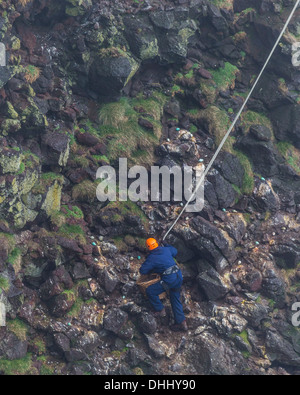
(156, 82)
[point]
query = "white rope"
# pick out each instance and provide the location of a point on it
(234, 122)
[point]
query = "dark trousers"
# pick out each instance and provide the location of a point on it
(155, 290)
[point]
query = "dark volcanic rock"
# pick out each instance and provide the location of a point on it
(261, 151)
(211, 283)
(11, 347)
(115, 320)
(287, 124)
(110, 73)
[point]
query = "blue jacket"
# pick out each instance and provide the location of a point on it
(159, 260)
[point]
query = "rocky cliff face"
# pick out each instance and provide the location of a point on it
(157, 82)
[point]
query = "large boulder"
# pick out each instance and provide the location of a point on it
(273, 286)
(280, 350)
(225, 193)
(56, 148)
(211, 355)
(286, 253)
(173, 30)
(114, 320)
(111, 71)
(287, 124)
(266, 198)
(230, 168)
(143, 45)
(211, 283)
(219, 243)
(12, 347)
(258, 147)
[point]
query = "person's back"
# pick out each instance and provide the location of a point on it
(159, 260)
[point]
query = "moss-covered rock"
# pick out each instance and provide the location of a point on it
(10, 161)
(10, 126)
(57, 148)
(77, 7)
(141, 37)
(111, 71)
(32, 118)
(52, 201)
(20, 173)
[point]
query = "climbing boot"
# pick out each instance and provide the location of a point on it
(182, 327)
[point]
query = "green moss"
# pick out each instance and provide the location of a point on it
(85, 191)
(47, 368)
(101, 158)
(39, 344)
(82, 161)
(193, 129)
(75, 310)
(295, 287)
(57, 218)
(75, 212)
(250, 118)
(176, 89)
(223, 3)
(129, 208)
(248, 181)
(244, 336)
(52, 202)
(272, 303)
(19, 328)
(246, 354)
(217, 123)
(4, 284)
(70, 293)
(11, 111)
(180, 77)
(21, 366)
(45, 181)
(72, 232)
(14, 256)
(209, 89)
(291, 154)
(9, 125)
(30, 160)
(225, 77)
(121, 132)
(8, 240)
(21, 169)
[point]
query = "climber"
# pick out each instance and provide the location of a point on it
(161, 261)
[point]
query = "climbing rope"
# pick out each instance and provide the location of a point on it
(234, 122)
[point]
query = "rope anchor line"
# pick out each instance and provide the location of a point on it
(234, 122)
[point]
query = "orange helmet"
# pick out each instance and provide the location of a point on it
(151, 244)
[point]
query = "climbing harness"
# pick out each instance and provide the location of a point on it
(234, 122)
(171, 270)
